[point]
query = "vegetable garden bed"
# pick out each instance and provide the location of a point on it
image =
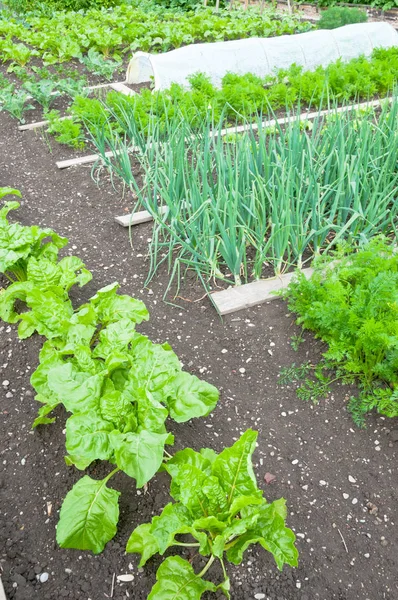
(331, 473)
(338, 480)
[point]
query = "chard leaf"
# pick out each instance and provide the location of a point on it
(139, 454)
(269, 530)
(43, 272)
(76, 390)
(187, 487)
(210, 524)
(50, 313)
(88, 516)
(87, 439)
(72, 270)
(150, 414)
(214, 492)
(116, 337)
(175, 519)
(176, 580)
(8, 297)
(112, 308)
(115, 407)
(154, 367)
(39, 378)
(191, 397)
(143, 542)
(42, 418)
(233, 468)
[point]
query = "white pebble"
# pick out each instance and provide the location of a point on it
(6, 383)
(259, 596)
(224, 351)
(351, 479)
(295, 461)
(242, 370)
(322, 482)
(367, 555)
(355, 500)
(125, 578)
(43, 577)
(346, 496)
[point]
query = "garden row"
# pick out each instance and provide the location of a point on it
(127, 28)
(120, 388)
(240, 97)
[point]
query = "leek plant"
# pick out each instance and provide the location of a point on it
(277, 196)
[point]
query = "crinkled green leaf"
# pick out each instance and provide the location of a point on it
(153, 368)
(215, 493)
(233, 467)
(175, 519)
(210, 524)
(89, 515)
(73, 271)
(191, 397)
(8, 297)
(242, 501)
(50, 313)
(269, 530)
(151, 415)
(42, 418)
(143, 542)
(115, 337)
(77, 391)
(225, 587)
(82, 356)
(116, 408)
(176, 580)
(139, 454)
(43, 272)
(111, 307)
(87, 439)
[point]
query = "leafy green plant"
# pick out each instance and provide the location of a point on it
(217, 503)
(29, 260)
(44, 91)
(350, 302)
(97, 64)
(337, 16)
(125, 28)
(380, 4)
(118, 386)
(66, 130)
(15, 102)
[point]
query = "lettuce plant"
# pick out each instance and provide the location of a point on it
(218, 504)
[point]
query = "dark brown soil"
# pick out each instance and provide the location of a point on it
(326, 468)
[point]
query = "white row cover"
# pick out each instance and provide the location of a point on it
(260, 56)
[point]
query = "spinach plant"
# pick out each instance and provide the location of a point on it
(218, 504)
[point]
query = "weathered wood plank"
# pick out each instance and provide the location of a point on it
(139, 217)
(250, 294)
(123, 89)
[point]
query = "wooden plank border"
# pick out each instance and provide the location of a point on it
(251, 294)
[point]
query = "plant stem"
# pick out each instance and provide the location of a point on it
(189, 545)
(207, 566)
(111, 474)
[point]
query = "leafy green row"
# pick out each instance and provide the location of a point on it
(240, 97)
(126, 28)
(120, 388)
(380, 4)
(351, 303)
